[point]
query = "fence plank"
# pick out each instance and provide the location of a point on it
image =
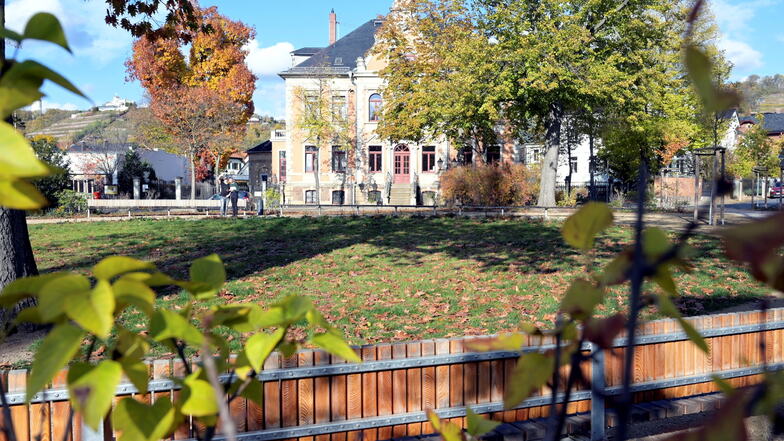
(384, 352)
(399, 390)
(354, 405)
(322, 397)
(369, 393)
(429, 400)
(338, 397)
(40, 422)
(305, 395)
(20, 414)
(61, 410)
(414, 387)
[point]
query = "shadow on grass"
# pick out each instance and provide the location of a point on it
(250, 246)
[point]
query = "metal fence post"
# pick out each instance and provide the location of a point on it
(598, 418)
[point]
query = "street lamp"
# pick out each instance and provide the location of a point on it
(781, 177)
(440, 164)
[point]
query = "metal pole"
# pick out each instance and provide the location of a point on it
(712, 213)
(598, 422)
(696, 187)
(781, 185)
(723, 178)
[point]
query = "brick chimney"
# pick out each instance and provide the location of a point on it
(333, 27)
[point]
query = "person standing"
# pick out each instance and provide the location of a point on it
(223, 191)
(234, 195)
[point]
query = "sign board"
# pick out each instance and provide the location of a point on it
(257, 194)
(110, 190)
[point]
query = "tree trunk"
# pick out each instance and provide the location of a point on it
(16, 257)
(591, 162)
(552, 143)
(16, 253)
(193, 174)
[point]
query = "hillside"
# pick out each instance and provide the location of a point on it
(79, 124)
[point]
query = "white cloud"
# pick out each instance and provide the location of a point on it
(742, 55)
(266, 61)
(734, 17)
(270, 97)
(51, 105)
(87, 32)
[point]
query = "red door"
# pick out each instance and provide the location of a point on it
(402, 165)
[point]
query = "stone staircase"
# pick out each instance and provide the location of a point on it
(400, 194)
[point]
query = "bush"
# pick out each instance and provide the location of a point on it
(70, 202)
(490, 185)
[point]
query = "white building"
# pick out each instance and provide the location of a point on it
(116, 104)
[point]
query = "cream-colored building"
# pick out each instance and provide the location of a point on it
(400, 173)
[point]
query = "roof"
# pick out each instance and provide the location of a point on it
(773, 122)
(109, 148)
(728, 114)
(264, 147)
(307, 51)
(341, 56)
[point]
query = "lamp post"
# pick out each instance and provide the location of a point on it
(781, 177)
(440, 165)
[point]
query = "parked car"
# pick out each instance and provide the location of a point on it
(775, 191)
(242, 195)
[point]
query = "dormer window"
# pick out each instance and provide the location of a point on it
(338, 61)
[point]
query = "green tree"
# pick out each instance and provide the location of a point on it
(755, 149)
(441, 78)
(134, 167)
(47, 151)
(324, 122)
(562, 57)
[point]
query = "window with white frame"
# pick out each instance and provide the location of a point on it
(311, 152)
(310, 196)
(374, 107)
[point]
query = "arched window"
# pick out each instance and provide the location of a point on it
(374, 106)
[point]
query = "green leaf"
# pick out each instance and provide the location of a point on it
(261, 345)
(580, 229)
(55, 294)
(33, 72)
(138, 374)
(132, 346)
(477, 425)
(114, 266)
(56, 350)
(15, 96)
(448, 431)
(581, 298)
(197, 397)
(510, 342)
(26, 287)
(139, 422)
(167, 324)
(725, 387)
(531, 372)
(21, 195)
(18, 159)
(11, 35)
(132, 292)
(45, 26)
(207, 277)
(254, 392)
(700, 69)
(92, 389)
(335, 345)
(93, 311)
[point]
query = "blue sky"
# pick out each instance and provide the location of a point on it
(752, 36)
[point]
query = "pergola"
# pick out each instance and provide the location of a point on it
(715, 151)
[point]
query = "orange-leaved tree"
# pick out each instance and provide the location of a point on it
(204, 99)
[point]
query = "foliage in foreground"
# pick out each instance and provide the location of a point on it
(81, 308)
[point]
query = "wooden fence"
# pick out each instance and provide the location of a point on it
(314, 397)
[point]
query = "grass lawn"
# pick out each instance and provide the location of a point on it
(385, 279)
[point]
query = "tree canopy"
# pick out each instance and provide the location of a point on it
(203, 100)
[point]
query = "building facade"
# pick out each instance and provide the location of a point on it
(375, 170)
